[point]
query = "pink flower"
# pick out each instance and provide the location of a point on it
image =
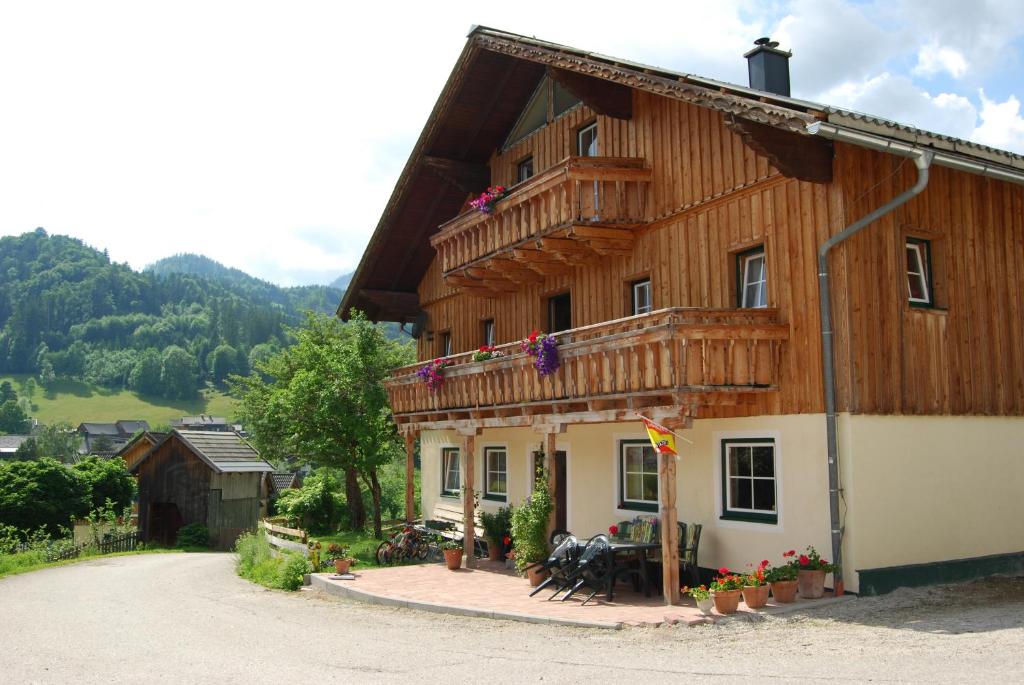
(724, 571)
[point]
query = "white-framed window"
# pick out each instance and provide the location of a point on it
(641, 291)
(753, 272)
(524, 170)
(451, 477)
(446, 343)
(495, 473)
(490, 334)
(638, 475)
(749, 485)
(586, 141)
(919, 289)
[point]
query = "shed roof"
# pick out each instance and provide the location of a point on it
(224, 452)
(99, 428)
(10, 443)
(490, 84)
(284, 480)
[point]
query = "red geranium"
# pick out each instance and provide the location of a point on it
(533, 335)
(804, 560)
(724, 571)
(507, 540)
(613, 529)
(790, 553)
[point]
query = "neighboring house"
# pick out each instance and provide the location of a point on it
(668, 228)
(9, 444)
(277, 482)
(137, 447)
(203, 423)
(118, 434)
(205, 477)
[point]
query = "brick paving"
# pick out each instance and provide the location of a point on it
(492, 590)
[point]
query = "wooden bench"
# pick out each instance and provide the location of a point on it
(447, 519)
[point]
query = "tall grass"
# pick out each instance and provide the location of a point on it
(258, 562)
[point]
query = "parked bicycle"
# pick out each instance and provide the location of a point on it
(407, 542)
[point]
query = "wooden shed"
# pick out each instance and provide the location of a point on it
(203, 477)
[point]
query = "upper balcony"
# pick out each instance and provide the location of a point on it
(670, 357)
(580, 208)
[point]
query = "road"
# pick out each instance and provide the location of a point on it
(186, 618)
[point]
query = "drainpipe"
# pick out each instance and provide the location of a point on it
(922, 160)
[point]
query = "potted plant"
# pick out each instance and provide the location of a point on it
(782, 579)
(487, 352)
(725, 590)
(543, 346)
(452, 554)
(490, 197)
(811, 571)
(432, 373)
(338, 555)
(755, 587)
(530, 531)
(702, 596)
(496, 526)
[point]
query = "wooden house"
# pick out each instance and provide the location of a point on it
(138, 447)
(826, 303)
(116, 435)
(208, 477)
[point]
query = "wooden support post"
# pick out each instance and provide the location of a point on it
(410, 489)
(669, 528)
(550, 443)
(468, 496)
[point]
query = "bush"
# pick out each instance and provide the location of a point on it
(317, 505)
(295, 567)
(193, 535)
(109, 483)
(41, 494)
(530, 525)
(258, 563)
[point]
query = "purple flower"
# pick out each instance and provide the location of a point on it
(547, 356)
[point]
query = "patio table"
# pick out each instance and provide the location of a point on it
(628, 547)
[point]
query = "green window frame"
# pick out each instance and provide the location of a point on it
(496, 474)
(451, 476)
(750, 480)
(636, 478)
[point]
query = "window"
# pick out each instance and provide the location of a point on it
(451, 480)
(586, 141)
(638, 475)
(748, 480)
(495, 474)
(641, 291)
(524, 170)
(919, 280)
(490, 335)
(446, 343)
(753, 277)
(559, 313)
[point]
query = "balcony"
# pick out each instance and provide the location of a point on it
(671, 357)
(581, 208)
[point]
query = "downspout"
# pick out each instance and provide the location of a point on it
(922, 160)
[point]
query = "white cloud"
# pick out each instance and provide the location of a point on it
(932, 59)
(1001, 124)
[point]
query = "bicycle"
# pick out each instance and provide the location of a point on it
(407, 543)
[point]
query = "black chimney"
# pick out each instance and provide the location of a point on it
(769, 67)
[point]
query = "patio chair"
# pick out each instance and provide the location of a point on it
(593, 569)
(559, 564)
(557, 536)
(689, 542)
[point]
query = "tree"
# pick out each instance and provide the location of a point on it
(13, 418)
(223, 362)
(41, 493)
(58, 441)
(106, 479)
(102, 445)
(7, 392)
(145, 375)
(27, 450)
(177, 373)
(326, 403)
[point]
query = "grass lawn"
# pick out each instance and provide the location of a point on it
(75, 402)
(13, 564)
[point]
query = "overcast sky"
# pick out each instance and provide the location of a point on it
(268, 136)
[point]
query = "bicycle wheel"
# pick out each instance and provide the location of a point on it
(422, 550)
(384, 553)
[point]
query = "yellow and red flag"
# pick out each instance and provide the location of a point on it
(662, 438)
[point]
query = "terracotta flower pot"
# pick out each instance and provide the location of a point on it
(453, 557)
(755, 596)
(726, 601)
(811, 583)
(784, 591)
(341, 565)
(494, 550)
(536, 575)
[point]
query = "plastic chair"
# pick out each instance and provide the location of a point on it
(560, 563)
(689, 542)
(592, 570)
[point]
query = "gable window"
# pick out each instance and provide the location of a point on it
(451, 479)
(548, 101)
(586, 141)
(524, 170)
(490, 335)
(638, 475)
(446, 343)
(495, 474)
(919, 280)
(641, 291)
(559, 313)
(748, 480)
(753, 278)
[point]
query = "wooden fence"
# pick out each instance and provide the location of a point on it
(110, 544)
(284, 538)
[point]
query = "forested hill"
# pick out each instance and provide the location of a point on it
(67, 312)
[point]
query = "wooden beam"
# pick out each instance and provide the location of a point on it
(807, 158)
(468, 500)
(604, 97)
(601, 232)
(469, 177)
(410, 457)
(550, 447)
(669, 517)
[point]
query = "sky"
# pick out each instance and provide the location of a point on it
(269, 135)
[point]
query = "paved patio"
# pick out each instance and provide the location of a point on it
(492, 591)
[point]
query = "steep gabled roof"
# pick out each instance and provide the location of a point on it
(99, 428)
(491, 83)
(222, 451)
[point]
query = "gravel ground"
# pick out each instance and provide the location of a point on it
(187, 618)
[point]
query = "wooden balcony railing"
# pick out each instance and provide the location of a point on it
(601, 192)
(669, 351)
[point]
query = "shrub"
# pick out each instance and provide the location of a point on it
(318, 504)
(257, 562)
(193, 535)
(41, 494)
(530, 525)
(497, 525)
(295, 567)
(109, 483)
